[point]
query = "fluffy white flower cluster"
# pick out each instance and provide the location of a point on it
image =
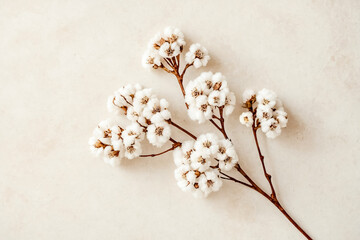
(113, 142)
(144, 108)
(197, 55)
(206, 93)
(168, 44)
(148, 115)
(194, 160)
(265, 111)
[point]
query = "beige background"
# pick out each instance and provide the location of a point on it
(59, 60)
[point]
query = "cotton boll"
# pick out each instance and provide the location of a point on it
(226, 155)
(157, 118)
(207, 144)
(166, 115)
(195, 114)
(266, 97)
(228, 163)
(131, 134)
(168, 50)
(210, 182)
(180, 172)
(142, 97)
(164, 104)
(274, 132)
(197, 55)
(281, 117)
(132, 114)
(151, 59)
(158, 134)
(154, 43)
(174, 35)
(112, 156)
(248, 95)
(263, 113)
(246, 118)
(229, 103)
(133, 150)
(102, 136)
(271, 128)
(199, 161)
(217, 98)
(178, 156)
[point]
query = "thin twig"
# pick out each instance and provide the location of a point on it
(186, 67)
(222, 121)
(267, 176)
(182, 129)
(235, 180)
(175, 145)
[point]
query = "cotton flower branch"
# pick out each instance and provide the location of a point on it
(203, 162)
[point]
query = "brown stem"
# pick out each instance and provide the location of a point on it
(186, 67)
(175, 145)
(165, 69)
(214, 123)
(169, 63)
(182, 129)
(235, 180)
(267, 176)
(273, 200)
(222, 121)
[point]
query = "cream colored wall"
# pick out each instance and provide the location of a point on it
(59, 60)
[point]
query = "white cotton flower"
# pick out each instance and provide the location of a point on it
(168, 50)
(158, 133)
(195, 114)
(106, 141)
(132, 114)
(174, 35)
(197, 55)
(122, 99)
(271, 128)
(207, 144)
(193, 90)
(246, 118)
(117, 105)
(229, 103)
(203, 106)
(157, 107)
(132, 133)
(248, 94)
(200, 161)
(178, 156)
(155, 42)
(142, 97)
(210, 182)
(151, 59)
(96, 146)
(186, 178)
(112, 157)
(226, 155)
(217, 98)
(132, 151)
(263, 113)
(281, 117)
(102, 136)
(266, 97)
(182, 155)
